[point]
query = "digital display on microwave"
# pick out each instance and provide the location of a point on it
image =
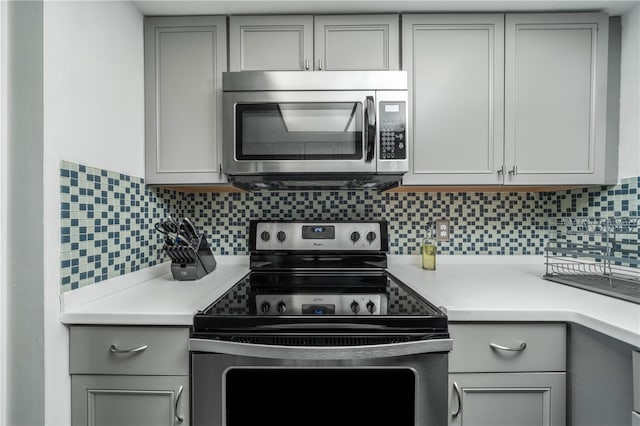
(392, 108)
(318, 232)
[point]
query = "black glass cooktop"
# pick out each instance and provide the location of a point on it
(241, 300)
(353, 302)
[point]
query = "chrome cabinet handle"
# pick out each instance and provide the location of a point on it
(220, 169)
(513, 171)
(501, 170)
(179, 418)
(520, 348)
(319, 64)
(459, 396)
(306, 64)
(114, 350)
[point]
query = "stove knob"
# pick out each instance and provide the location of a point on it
(281, 236)
(355, 236)
(265, 236)
(355, 307)
(265, 307)
(282, 307)
(371, 307)
(371, 236)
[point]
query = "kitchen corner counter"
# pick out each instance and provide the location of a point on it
(158, 300)
(508, 291)
(470, 288)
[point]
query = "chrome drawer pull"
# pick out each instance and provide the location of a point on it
(459, 395)
(115, 350)
(179, 418)
(520, 348)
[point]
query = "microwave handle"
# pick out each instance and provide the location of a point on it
(370, 127)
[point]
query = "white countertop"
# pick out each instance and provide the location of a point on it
(158, 300)
(470, 288)
(516, 292)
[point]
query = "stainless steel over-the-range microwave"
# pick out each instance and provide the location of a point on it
(306, 129)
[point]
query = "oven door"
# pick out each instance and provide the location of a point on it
(299, 132)
(237, 384)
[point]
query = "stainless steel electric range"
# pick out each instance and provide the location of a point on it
(317, 332)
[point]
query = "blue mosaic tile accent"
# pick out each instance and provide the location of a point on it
(622, 200)
(107, 224)
(481, 223)
(107, 218)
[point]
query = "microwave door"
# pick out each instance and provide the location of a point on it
(300, 132)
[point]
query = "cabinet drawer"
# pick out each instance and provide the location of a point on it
(535, 347)
(93, 350)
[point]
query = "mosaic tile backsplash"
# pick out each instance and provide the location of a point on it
(107, 218)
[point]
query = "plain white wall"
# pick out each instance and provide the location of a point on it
(93, 115)
(629, 148)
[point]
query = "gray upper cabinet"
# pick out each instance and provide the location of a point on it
(362, 42)
(304, 42)
(456, 79)
(555, 99)
(517, 100)
(271, 43)
(184, 61)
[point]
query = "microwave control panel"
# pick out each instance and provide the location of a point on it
(393, 137)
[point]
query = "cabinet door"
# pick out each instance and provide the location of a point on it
(184, 61)
(129, 400)
(270, 43)
(555, 98)
(456, 78)
(507, 399)
(347, 43)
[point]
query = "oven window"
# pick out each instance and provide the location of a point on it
(299, 131)
(320, 396)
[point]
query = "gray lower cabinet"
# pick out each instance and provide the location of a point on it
(636, 380)
(507, 399)
(507, 374)
(129, 375)
(184, 61)
(130, 400)
(321, 43)
(600, 379)
(635, 414)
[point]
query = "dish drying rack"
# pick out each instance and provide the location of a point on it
(598, 254)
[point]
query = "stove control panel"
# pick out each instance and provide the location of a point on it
(323, 236)
(321, 304)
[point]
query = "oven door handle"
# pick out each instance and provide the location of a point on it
(324, 353)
